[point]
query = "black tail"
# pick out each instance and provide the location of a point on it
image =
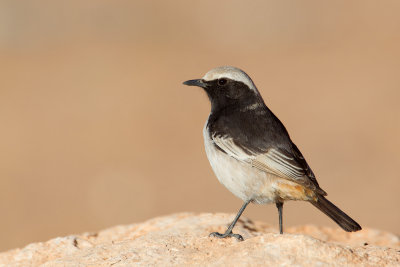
(341, 218)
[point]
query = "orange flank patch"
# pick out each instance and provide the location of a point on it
(292, 191)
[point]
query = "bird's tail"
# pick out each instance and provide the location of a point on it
(341, 218)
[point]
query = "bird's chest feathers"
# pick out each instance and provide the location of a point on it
(247, 182)
(239, 177)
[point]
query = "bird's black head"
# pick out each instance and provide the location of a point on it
(228, 86)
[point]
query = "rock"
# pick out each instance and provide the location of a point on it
(182, 239)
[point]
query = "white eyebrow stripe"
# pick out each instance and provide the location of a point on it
(230, 73)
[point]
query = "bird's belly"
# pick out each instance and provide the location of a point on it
(244, 181)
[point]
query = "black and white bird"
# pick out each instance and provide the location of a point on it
(251, 152)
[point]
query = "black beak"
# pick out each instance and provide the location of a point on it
(198, 82)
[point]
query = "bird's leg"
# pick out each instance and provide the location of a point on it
(228, 232)
(279, 205)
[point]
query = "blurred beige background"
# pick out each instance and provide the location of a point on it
(98, 130)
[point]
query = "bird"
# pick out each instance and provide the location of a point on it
(251, 152)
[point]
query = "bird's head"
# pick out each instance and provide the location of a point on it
(227, 86)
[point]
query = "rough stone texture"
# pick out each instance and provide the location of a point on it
(182, 239)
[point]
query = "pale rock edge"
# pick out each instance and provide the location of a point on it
(182, 240)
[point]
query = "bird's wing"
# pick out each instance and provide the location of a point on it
(289, 165)
(228, 146)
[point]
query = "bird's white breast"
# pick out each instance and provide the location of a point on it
(243, 180)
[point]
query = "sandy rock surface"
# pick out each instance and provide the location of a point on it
(182, 239)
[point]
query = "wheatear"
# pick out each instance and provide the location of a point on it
(251, 152)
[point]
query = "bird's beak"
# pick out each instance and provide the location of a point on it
(198, 82)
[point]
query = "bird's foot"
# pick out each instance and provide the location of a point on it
(227, 234)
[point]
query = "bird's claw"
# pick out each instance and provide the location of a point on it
(228, 234)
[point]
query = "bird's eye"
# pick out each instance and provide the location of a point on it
(222, 81)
